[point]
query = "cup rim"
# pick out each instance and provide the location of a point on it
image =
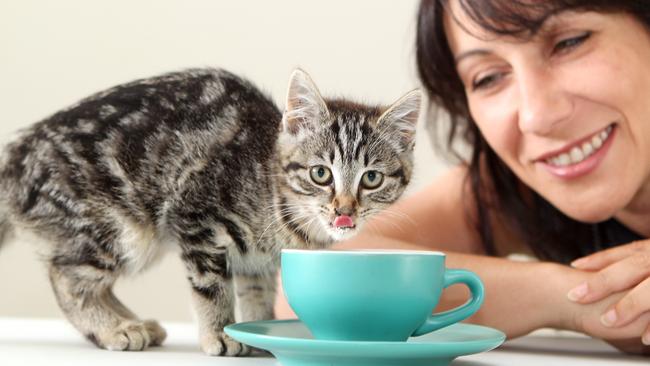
(364, 251)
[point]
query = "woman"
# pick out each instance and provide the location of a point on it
(552, 97)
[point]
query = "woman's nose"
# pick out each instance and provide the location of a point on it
(543, 102)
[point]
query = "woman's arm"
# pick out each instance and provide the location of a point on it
(524, 296)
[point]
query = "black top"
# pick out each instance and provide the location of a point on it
(611, 233)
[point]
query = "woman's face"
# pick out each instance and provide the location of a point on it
(567, 110)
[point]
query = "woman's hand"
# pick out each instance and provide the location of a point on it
(618, 269)
(627, 337)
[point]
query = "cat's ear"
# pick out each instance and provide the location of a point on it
(305, 108)
(400, 119)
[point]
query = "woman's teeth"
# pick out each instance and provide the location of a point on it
(580, 153)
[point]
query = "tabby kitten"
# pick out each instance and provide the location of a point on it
(203, 162)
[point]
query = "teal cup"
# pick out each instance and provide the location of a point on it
(373, 295)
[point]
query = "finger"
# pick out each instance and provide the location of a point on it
(646, 336)
(604, 258)
(621, 275)
(630, 307)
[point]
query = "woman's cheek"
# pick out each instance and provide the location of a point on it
(496, 117)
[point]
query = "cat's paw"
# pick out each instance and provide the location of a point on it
(132, 336)
(157, 334)
(220, 344)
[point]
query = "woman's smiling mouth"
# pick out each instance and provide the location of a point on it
(581, 157)
(581, 150)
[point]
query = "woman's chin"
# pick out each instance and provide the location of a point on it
(590, 203)
(589, 213)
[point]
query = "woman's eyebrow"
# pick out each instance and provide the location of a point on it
(474, 52)
(548, 27)
(553, 23)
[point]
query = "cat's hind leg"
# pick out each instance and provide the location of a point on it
(155, 331)
(84, 293)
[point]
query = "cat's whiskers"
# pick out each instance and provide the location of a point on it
(296, 218)
(273, 221)
(388, 212)
(277, 205)
(384, 220)
(378, 218)
(307, 224)
(397, 214)
(285, 212)
(373, 227)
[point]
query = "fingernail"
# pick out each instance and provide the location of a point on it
(609, 318)
(646, 339)
(578, 292)
(579, 262)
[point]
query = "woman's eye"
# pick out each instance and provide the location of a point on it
(372, 179)
(486, 81)
(321, 175)
(570, 43)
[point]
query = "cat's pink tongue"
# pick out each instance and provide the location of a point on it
(343, 221)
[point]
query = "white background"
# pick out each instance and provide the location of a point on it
(53, 53)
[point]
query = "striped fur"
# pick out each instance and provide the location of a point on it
(202, 162)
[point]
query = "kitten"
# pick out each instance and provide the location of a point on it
(203, 162)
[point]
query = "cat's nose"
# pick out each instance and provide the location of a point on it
(345, 205)
(346, 210)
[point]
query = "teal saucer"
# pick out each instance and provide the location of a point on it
(293, 345)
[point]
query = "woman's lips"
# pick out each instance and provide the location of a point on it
(576, 151)
(583, 167)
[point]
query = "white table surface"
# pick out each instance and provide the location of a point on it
(54, 342)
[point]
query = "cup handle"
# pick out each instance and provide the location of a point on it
(446, 318)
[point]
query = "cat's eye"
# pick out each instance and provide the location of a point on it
(372, 179)
(321, 175)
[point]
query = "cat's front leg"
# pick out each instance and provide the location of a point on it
(212, 292)
(255, 296)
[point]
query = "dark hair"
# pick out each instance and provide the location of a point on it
(550, 234)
